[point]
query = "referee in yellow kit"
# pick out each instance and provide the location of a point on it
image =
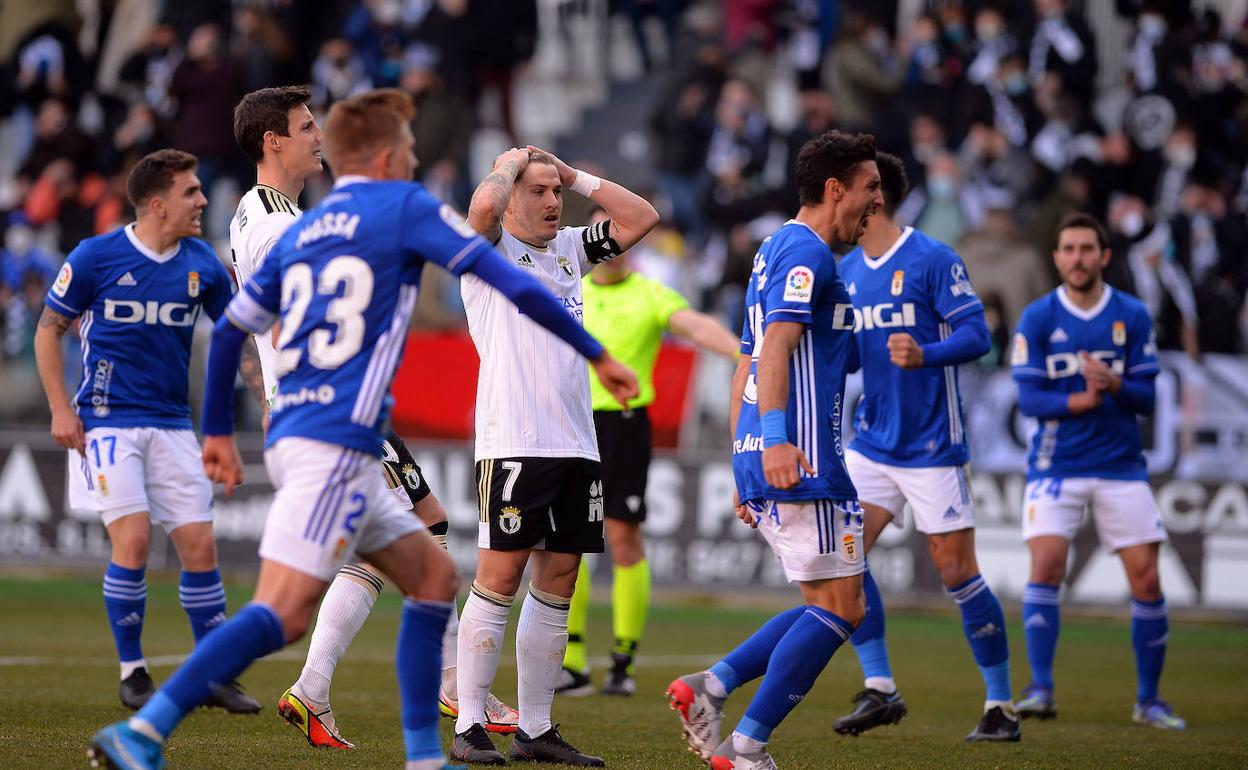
(629, 313)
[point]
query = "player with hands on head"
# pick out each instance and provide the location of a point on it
(1085, 358)
(539, 481)
(133, 457)
(344, 280)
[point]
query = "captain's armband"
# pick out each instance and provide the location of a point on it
(599, 245)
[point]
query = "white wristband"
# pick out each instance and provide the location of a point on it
(585, 184)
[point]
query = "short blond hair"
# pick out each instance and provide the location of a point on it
(360, 126)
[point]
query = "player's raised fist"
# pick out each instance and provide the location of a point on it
(903, 351)
(781, 463)
(618, 379)
(222, 463)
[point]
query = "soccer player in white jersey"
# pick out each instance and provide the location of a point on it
(1085, 358)
(344, 280)
(916, 319)
(275, 129)
(132, 451)
(538, 476)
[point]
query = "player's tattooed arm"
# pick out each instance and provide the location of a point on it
(54, 320)
(50, 361)
(489, 200)
(249, 368)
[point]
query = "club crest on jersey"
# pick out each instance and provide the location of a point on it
(899, 282)
(509, 520)
(63, 279)
(1019, 356)
(851, 548)
(192, 284)
(1120, 333)
(799, 284)
(566, 267)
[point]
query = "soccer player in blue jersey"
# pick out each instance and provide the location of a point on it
(132, 451)
(1084, 358)
(344, 280)
(916, 319)
(791, 480)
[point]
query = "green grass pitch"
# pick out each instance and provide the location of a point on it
(60, 682)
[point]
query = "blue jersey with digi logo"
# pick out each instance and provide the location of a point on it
(138, 310)
(795, 279)
(344, 279)
(1105, 442)
(908, 417)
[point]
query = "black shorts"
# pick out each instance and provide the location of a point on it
(624, 444)
(547, 503)
(401, 469)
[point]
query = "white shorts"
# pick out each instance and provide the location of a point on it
(939, 497)
(1125, 512)
(815, 539)
(131, 470)
(330, 501)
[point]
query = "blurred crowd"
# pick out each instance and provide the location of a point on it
(1005, 123)
(1002, 110)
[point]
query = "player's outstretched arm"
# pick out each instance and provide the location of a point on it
(704, 331)
(535, 301)
(489, 200)
(631, 215)
(781, 459)
(50, 361)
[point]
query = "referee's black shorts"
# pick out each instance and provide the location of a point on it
(624, 445)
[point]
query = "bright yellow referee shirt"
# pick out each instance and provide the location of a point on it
(629, 317)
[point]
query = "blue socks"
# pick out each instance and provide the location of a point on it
(868, 640)
(984, 624)
(749, 660)
(1042, 622)
(224, 654)
(203, 598)
(418, 663)
(125, 599)
(1150, 630)
(797, 660)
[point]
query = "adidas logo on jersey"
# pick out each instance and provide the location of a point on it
(1035, 620)
(853, 289)
(127, 280)
(1058, 335)
(133, 619)
(525, 261)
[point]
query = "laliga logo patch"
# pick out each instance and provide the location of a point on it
(192, 284)
(454, 221)
(899, 279)
(62, 280)
(798, 285)
(566, 267)
(1019, 356)
(509, 520)
(1120, 333)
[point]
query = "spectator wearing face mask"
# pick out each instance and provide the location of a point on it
(1063, 44)
(1178, 157)
(993, 42)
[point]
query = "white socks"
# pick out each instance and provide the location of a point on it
(344, 609)
(480, 646)
(128, 667)
(541, 640)
(884, 684)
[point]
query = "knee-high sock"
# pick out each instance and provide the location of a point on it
(125, 601)
(450, 638)
(252, 633)
(418, 664)
(1042, 622)
(798, 658)
(347, 604)
(1150, 630)
(203, 598)
(984, 625)
(630, 603)
(481, 628)
(578, 619)
(868, 640)
(540, 641)
(749, 660)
